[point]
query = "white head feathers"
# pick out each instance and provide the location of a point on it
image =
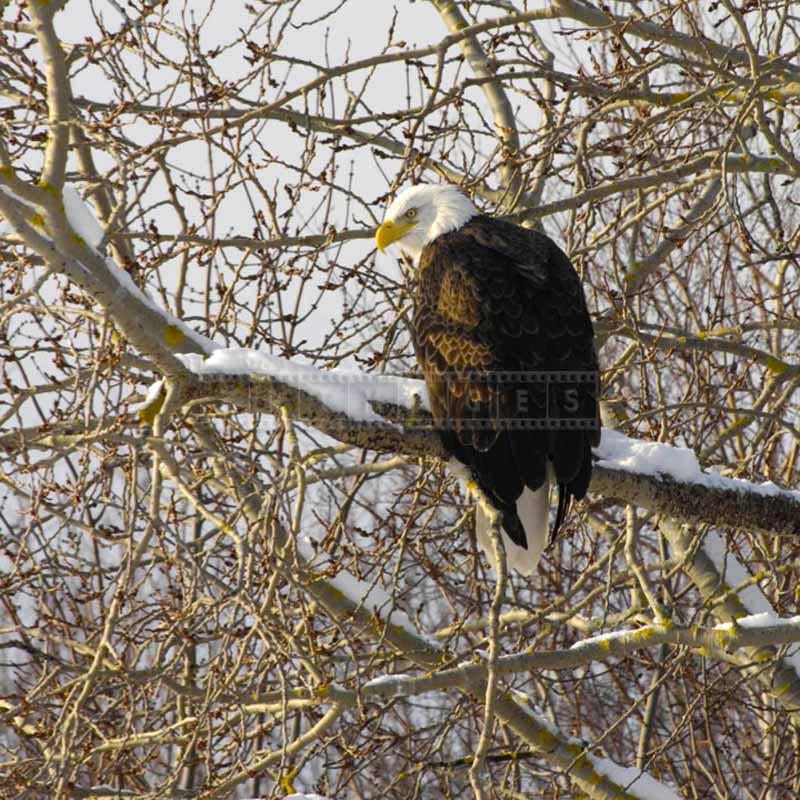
(421, 213)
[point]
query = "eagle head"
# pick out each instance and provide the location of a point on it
(421, 213)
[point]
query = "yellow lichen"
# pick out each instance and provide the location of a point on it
(595, 779)
(397, 630)
(643, 634)
(763, 656)
(632, 272)
(675, 97)
(452, 7)
(148, 414)
(776, 366)
(546, 739)
(790, 90)
(49, 188)
(740, 422)
(173, 335)
(722, 637)
(729, 94)
(287, 781)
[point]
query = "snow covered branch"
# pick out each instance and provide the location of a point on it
(748, 618)
(390, 415)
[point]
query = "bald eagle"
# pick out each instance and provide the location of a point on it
(505, 342)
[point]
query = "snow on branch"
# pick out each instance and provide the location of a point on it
(669, 480)
(743, 609)
(57, 225)
(386, 413)
(725, 639)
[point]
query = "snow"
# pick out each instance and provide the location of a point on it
(352, 393)
(370, 596)
(81, 219)
(14, 196)
(383, 680)
(767, 620)
(394, 390)
(34, 209)
(637, 783)
(752, 598)
(152, 393)
(541, 719)
(601, 637)
(734, 574)
(85, 224)
(617, 451)
(344, 391)
(128, 288)
(300, 796)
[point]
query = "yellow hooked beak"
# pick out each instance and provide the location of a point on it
(388, 233)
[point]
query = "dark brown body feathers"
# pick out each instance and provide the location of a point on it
(495, 298)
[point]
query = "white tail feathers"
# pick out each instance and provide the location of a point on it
(533, 508)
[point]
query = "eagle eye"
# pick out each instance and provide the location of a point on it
(411, 213)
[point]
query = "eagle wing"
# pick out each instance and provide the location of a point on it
(494, 303)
